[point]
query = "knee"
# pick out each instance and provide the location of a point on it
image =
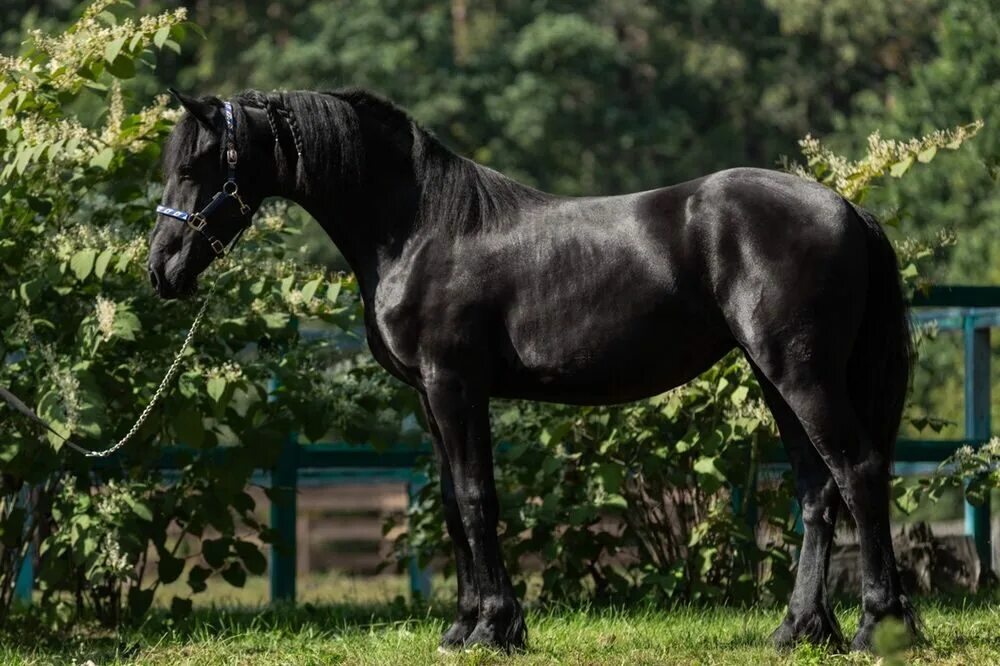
(448, 497)
(819, 515)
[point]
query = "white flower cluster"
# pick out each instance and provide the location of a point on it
(63, 141)
(757, 410)
(271, 218)
(67, 386)
(104, 311)
(851, 178)
(230, 371)
(86, 42)
(117, 563)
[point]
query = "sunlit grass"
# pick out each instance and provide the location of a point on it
(397, 633)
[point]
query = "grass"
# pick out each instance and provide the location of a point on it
(387, 630)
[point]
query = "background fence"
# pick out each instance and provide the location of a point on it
(973, 311)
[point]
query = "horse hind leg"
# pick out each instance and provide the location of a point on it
(810, 616)
(814, 386)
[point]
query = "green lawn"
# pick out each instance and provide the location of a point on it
(392, 632)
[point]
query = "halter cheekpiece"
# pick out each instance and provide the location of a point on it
(230, 190)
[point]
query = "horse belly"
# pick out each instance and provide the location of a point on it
(610, 363)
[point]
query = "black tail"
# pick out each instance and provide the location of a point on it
(879, 367)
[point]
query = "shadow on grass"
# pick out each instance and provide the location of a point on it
(28, 635)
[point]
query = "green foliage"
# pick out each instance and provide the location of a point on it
(85, 342)
(973, 471)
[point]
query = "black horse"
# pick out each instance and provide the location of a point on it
(476, 286)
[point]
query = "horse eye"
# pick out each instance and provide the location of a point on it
(186, 172)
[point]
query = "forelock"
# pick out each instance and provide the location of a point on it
(187, 140)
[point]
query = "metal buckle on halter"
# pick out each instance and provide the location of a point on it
(218, 247)
(197, 222)
(244, 209)
(231, 156)
(232, 190)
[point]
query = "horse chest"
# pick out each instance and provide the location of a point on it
(392, 328)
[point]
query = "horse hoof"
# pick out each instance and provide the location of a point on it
(818, 627)
(509, 636)
(910, 628)
(455, 636)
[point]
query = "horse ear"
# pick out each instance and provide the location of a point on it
(205, 110)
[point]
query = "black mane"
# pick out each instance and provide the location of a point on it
(453, 190)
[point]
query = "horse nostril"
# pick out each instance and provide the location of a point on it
(153, 279)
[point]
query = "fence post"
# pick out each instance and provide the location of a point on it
(420, 579)
(284, 505)
(25, 583)
(977, 426)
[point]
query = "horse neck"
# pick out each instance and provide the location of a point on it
(369, 224)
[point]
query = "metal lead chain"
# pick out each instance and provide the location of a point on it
(167, 378)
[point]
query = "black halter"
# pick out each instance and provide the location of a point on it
(230, 190)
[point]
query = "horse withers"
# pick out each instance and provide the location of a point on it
(476, 286)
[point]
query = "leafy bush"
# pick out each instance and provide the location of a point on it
(667, 497)
(973, 471)
(85, 341)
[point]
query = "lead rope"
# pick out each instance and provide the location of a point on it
(161, 389)
(21, 407)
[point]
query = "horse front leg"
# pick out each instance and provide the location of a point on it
(461, 411)
(468, 592)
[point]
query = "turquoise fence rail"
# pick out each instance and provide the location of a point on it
(971, 310)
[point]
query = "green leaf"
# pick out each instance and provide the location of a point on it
(927, 154)
(160, 36)
(139, 508)
(113, 48)
(333, 291)
(169, 568)
(180, 608)
(126, 324)
(189, 426)
(551, 436)
(235, 575)
(31, 289)
(215, 551)
(122, 68)
(615, 500)
(739, 395)
(103, 259)
(899, 168)
(216, 388)
(197, 578)
(253, 559)
(612, 475)
(706, 465)
(82, 263)
(103, 159)
(309, 290)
